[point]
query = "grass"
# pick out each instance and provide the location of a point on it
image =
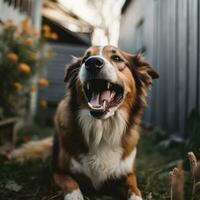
(153, 164)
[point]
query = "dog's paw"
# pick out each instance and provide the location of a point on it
(135, 197)
(75, 195)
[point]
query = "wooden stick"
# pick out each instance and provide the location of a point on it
(149, 196)
(196, 186)
(177, 183)
(193, 165)
(193, 162)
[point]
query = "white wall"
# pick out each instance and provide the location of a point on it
(9, 13)
(132, 36)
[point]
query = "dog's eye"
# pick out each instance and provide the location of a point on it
(116, 58)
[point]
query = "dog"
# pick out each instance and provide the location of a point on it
(98, 122)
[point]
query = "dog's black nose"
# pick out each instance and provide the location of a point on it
(94, 64)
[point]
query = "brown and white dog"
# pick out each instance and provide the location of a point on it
(97, 123)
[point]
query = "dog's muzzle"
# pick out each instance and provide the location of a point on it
(102, 88)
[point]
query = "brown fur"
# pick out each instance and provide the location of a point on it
(33, 150)
(69, 141)
(137, 76)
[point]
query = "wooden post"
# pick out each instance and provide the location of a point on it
(37, 14)
(36, 22)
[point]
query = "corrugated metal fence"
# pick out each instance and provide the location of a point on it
(169, 32)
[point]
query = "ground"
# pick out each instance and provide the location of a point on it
(33, 180)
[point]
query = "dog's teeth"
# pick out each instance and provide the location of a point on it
(112, 95)
(88, 86)
(98, 108)
(90, 105)
(104, 104)
(108, 85)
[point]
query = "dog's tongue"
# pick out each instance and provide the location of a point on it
(98, 98)
(95, 100)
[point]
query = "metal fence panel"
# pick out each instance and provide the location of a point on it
(156, 61)
(175, 53)
(198, 60)
(192, 54)
(171, 74)
(182, 62)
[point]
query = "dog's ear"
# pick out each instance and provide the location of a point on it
(144, 70)
(143, 66)
(72, 69)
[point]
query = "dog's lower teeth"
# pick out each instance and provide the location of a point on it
(97, 108)
(88, 86)
(90, 105)
(108, 85)
(102, 95)
(104, 104)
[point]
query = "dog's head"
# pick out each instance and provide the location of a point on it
(110, 79)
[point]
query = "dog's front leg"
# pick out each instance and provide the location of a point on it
(69, 186)
(131, 186)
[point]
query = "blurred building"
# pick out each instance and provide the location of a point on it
(73, 38)
(103, 15)
(168, 33)
(17, 10)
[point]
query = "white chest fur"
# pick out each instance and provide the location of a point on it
(104, 159)
(104, 132)
(103, 164)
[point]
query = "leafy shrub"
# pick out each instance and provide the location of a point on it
(23, 54)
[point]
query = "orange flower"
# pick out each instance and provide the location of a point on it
(54, 36)
(25, 25)
(18, 86)
(46, 28)
(43, 104)
(43, 82)
(33, 88)
(29, 42)
(24, 68)
(12, 57)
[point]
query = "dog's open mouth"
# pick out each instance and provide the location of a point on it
(102, 95)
